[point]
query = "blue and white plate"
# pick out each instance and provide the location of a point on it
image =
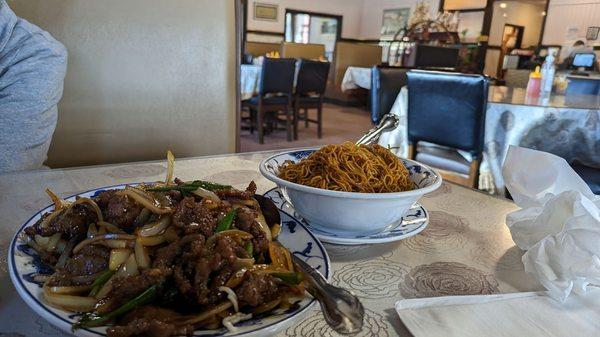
(412, 223)
(24, 264)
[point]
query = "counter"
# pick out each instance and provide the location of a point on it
(517, 96)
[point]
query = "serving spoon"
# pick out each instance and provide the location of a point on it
(341, 308)
(388, 122)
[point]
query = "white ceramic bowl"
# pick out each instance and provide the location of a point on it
(349, 213)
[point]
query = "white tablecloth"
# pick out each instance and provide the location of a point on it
(573, 134)
(531, 314)
(465, 250)
(249, 80)
(356, 77)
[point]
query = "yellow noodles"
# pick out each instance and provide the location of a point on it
(350, 168)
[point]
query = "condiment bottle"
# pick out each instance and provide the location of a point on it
(548, 74)
(533, 86)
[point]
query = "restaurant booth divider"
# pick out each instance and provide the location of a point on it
(257, 49)
(135, 88)
(350, 54)
(309, 51)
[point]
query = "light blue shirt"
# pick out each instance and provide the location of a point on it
(32, 72)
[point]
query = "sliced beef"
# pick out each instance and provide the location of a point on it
(150, 321)
(195, 217)
(256, 289)
(89, 260)
(127, 288)
(166, 256)
(232, 193)
(246, 221)
(251, 188)
(201, 271)
(70, 222)
(118, 209)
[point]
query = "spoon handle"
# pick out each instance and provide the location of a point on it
(341, 309)
(387, 122)
(317, 279)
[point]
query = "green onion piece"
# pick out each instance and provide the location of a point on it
(289, 278)
(226, 222)
(91, 320)
(250, 249)
(101, 280)
(189, 187)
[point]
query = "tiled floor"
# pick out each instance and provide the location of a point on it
(340, 123)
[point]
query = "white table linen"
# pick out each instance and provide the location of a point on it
(571, 133)
(531, 314)
(249, 80)
(356, 77)
(465, 249)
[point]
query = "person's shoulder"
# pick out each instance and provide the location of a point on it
(31, 36)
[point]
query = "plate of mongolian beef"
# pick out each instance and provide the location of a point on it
(168, 258)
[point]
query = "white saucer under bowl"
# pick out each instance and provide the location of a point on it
(412, 223)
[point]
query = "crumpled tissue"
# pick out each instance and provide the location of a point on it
(558, 223)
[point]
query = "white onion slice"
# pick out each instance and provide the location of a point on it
(155, 228)
(231, 296)
(228, 322)
(204, 193)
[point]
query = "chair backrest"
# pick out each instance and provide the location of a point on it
(582, 87)
(386, 83)
(312, 77)
(447, 109)
(277, 76)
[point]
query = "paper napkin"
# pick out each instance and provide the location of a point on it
(531, 314)
(558, 223)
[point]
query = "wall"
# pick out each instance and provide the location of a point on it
(362, 18)
(143, 76)
(349, 9)
(372, 14)
(565, 14)
(521, 14)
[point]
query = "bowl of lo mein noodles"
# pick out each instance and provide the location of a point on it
(349, 189)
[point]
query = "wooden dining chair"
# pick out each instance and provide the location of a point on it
(310, 88)
(447, 111)
(274, 94)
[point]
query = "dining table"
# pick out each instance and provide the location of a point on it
(567, 125)
(466, 249)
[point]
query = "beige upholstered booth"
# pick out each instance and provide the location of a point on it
(308, 51)
(144, 76)
(350, 54)
(261, 48)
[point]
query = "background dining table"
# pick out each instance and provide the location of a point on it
(465, 249)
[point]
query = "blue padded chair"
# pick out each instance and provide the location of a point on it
(274, 93)
(448, 110)
(590, 175)
(310, 88)
(386, 83)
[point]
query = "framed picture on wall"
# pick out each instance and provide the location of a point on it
(592, 33)
(265, 11)
(393, 20)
